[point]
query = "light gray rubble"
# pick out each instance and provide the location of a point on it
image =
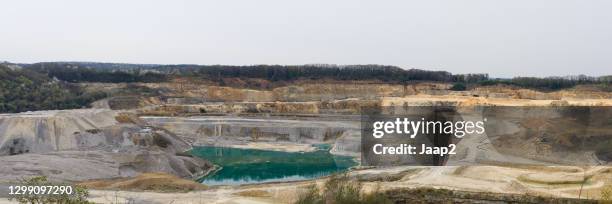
(77, 145)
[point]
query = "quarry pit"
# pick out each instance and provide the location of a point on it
(155, 135)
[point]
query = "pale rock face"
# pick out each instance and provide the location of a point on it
(45, 131)
(310, 92)
(272, 130)
(75, 145)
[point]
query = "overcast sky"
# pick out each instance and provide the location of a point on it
(503, 38)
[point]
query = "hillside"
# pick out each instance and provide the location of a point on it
(26, 90)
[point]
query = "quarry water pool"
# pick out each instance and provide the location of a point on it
(249, 166)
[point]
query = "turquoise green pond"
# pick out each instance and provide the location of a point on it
(248, 166)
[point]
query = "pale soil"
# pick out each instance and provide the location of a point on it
(471, 101)
(478, 179)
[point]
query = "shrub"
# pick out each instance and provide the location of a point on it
(78, 196)
(458, 87)
(606, 193)
(310, 196)
(340, 189)
(124, 118)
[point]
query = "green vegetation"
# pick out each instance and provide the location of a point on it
(25, 90)
(79, 194)
(79, 73)
(87, 72)
(551, 83)
(116, 73)
(458, 87)
(318, 72)
(606, 193)
(340, 189)
(433, 195)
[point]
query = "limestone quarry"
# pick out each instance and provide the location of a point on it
(128, 136)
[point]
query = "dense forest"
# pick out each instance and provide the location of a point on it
(26, 90)
(77, 72)
(115, 73)
(84, 73)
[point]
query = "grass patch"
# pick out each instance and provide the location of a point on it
(254, 193)
(340, 189)
(124, 118)
(432, 195)
(526, 179)
(156, 182)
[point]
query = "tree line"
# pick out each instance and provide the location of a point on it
(117, 73)
(551, 83)
(78, 73)
(83, 72)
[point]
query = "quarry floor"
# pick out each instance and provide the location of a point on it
(477, 179)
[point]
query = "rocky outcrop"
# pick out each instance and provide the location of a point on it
(52, 143)
(192, 93)
(45, 131)
(346, 106)
(199, 93)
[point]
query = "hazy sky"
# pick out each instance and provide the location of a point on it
(503, 38)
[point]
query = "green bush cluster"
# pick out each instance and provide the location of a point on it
(458, 87)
